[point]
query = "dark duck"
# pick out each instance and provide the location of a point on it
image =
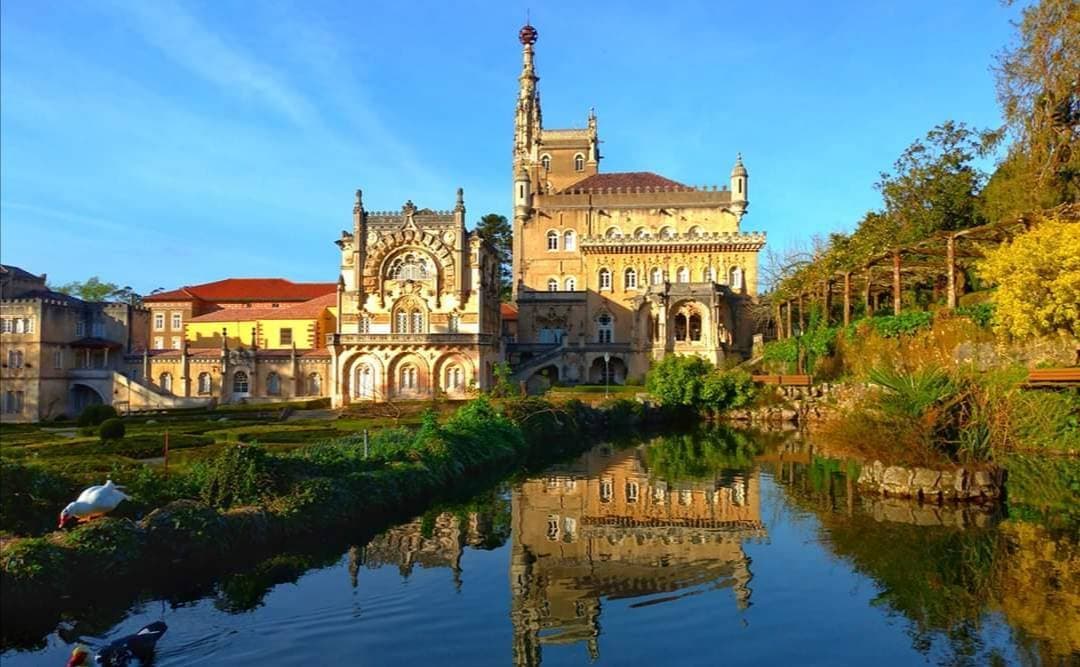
(124, 651)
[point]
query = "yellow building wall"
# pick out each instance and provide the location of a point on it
(307, 333)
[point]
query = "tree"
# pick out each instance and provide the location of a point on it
(1038, 281)
(495, 229)
(1038, 86)
(934, 185)
(95, 290)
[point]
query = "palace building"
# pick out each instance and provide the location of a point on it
(418, 304)
(630, 265)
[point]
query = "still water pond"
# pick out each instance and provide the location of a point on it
(715, 548)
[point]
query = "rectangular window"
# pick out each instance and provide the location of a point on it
(5, 325)
(19, 325)
(99, 329)
(29, 325)
(80, 329)
(286, 337)
(365, 324)
(177, 321)
(159, 342)
(159, 321)
(58, 359)
(18, 401)
(177, 342)
(15, 359)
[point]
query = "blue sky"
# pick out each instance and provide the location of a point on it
(159, 143)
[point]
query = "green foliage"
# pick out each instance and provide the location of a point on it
(911, 394)
(106, 543)
(245, 591)
(623, 413)
(728, 389)
(892, 326)
(32, 497)
(111, 429)
(289, 436)
(496, 230)
(504, 385)
(92, 415)
(703, 454)
(239, 475)
(783, 351)
(981, 314)
(678, 380)
(34, 560)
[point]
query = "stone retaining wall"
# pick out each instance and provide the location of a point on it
(968, 483)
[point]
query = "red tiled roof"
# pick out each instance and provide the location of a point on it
(625, 179)
(246, 289)
(306, 310)
(508, 311)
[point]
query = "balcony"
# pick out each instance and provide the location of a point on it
(418, 339)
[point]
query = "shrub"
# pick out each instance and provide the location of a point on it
(981, 314)
(112, 429)
(239, 475)
(727, 389)
(678, 381)
(92, 415)
(891, 326)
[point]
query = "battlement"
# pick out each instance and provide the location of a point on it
(715, 241)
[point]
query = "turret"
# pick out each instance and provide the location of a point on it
(740, 187)
(359, 246)
(522, 193)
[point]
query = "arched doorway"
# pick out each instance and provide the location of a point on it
(614, 370)
(81, 396)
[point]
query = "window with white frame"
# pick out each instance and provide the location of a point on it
(605, 279)
(365, 324)
(552, 240)
(401, 321)
(204, 384)
(19, 326)
(605, 326)
(6, 325)
(159, 321)
(682, 275)
(453, 323)
(553, 527)
(553, 284)
(240, 383)
(709, 274)
(80, 328)
(579, 162)
(571, 284)
(455, 379)
(177, 342)
(630, 279)
(545, 162)
(569, 240)
(165, 382)
(408, 378)
(656, 276)
(632, 491)
(314, 384)
(159, 342)
(736, 274)
(416, 321)
(177, 320)
(28, 325)
(607, 489)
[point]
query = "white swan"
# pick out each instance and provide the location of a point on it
(93, 502)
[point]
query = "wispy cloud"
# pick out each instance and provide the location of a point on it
(185, 40)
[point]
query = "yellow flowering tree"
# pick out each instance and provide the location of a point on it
(1037, 276)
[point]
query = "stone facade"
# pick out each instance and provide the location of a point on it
(58, 353)
(632, 265)
(418, 304)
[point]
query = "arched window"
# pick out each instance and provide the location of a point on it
(613, 232)
(708, 275)
(630, 279)
(605, 279)
(455, 379)
(579, 162)
(240, 382)
(680, 327)
(736, 274)
(408, 378)
(569, 240)
(571, 284)
(552, 240)
(605, 326)
(656, 276)
(682, 275)
(695, 327)
(165, 382)
(401, 322)
(314, 384)
(416, 321)
(694, 231)
(273, 384)
(545, 162)
(667, 233)
(410, 266)
(365, 382)
(641, 233)
(204, 384)
(553, 284)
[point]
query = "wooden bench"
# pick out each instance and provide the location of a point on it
(784, 380)
(1053, 377)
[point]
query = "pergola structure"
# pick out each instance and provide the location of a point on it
(937, 259)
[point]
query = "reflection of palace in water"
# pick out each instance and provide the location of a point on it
(603, 527)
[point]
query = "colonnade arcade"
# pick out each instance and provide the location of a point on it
(694, 318)
(405, 374)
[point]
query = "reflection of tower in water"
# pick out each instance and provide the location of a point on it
(603, 528)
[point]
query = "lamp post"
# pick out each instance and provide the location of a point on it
(607, 372)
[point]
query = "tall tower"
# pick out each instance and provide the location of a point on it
(527, 126)
(740, 187)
